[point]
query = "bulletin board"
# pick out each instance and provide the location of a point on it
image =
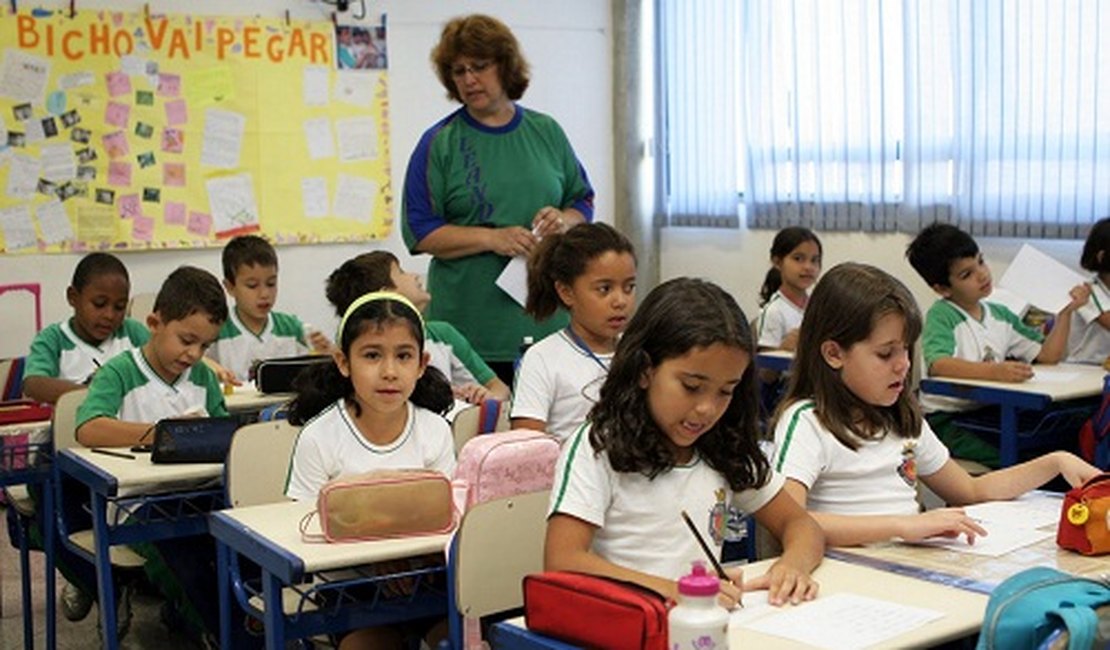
(128, 130)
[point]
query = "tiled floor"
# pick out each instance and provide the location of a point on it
(146, 629)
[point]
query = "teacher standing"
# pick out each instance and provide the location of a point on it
(484, 184)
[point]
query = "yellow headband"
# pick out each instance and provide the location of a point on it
(371, 297)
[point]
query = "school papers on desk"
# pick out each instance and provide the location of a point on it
(514, 279)
(1003, 539)
(1039, 279)
(838, 621)
(1034, 510)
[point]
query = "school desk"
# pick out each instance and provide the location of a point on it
(963, 610)
(777, 360)
(148, 503)
(1039, 393)
(24, 461)
(971, 572)
(269, 536)
(247, 399)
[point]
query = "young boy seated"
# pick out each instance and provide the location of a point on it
(162, 379)
(254, 331)
(965, 336)
(471, 379)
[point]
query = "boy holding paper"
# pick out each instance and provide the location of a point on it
(965, 336)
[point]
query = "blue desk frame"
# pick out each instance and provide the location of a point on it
(1009, 403)
(156, 517)
(40, 473)
(506, 636)
(280, 568)
(779, 362)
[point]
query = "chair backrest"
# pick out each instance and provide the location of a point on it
(64, 423)
(21, 304)
(487, 417)
(140, 306)
(499, 542)
(258, 462)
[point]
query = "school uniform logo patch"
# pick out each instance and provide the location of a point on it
(726, 522)
(907, 469)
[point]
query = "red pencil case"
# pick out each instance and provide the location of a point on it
(24, 410)
(595, 612)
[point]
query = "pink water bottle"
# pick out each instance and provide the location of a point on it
(698, 622)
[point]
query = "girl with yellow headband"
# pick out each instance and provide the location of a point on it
(379, 406)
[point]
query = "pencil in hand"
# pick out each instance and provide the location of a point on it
(712, 557)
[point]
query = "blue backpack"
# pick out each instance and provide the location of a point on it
(1030, 605)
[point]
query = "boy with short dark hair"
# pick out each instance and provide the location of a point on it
(254, 331)
(161, 379)
(965, 336)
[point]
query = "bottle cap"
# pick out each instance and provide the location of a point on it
(698, 582)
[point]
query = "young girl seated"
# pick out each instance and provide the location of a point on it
(675, 431)
(850, 438)
(591, 271)
(795, 265)
(471, 379)
(377, 407)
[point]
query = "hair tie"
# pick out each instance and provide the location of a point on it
(372, 297)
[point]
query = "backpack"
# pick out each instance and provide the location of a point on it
(1094, 445)
(497, 465)
(1032, 604)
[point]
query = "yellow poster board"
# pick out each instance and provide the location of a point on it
(135, 131)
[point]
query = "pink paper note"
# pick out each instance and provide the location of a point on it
(169, 85)
(117, 114)
(142, 228)
(174, 213)
(173, 174)
(200, 223)
(116, 144)
(119, 174)
(118, 84)
(130, 206)
(176, 112)
(173, 140)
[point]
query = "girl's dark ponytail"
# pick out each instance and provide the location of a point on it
(433, 392)
(771, 283)
(318, 386)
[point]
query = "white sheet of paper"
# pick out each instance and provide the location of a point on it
(358, 138)
(1028, 511)
(1002, 539)
(58, 163)
(23, 176)
(76, 80)
(354, 87)
(1054, 375)
(354, 198)
(514, 280)
(53, 222)
(317, 134)
(844, 621)
(23, 76)
(1011, 300)
(314, 195)
(19, 230)
(1040, 279)
(223, 138)
(231, 202)
(316, 85)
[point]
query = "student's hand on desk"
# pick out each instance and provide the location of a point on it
(1013, 372)
(472, 393)
(942, 522)
(785, 584)
(790, 341)
(1074, 469)
(320, 344)
(223, 374)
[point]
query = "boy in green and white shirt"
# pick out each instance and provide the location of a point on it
(254, 332)
(162, 379)
(967, 337)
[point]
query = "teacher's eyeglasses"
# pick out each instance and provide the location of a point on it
(476, 69)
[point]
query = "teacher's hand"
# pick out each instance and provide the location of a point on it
(550, 220)
(512, 241)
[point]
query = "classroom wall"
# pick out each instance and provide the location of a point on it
(739, 259)
(567, 43)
